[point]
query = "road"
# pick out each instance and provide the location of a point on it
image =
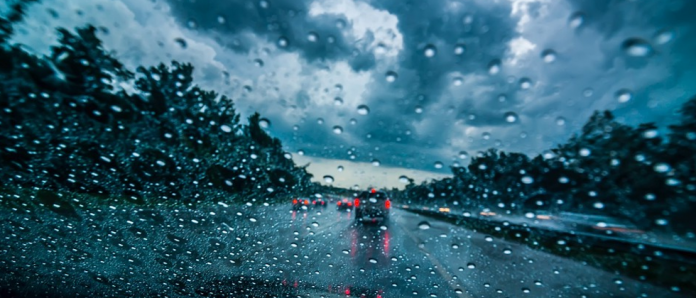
(271, 251)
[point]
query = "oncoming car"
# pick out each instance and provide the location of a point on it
(372, 206)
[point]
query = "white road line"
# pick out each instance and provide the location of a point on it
(440, 269)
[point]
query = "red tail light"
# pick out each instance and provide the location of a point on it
(294, 201)
(347, 291)
(314, 202)
(339, 203)
(356, 202)
(306, 202)
(387, 204)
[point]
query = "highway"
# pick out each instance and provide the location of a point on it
(254, 250)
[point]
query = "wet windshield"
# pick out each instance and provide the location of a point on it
(351, 148)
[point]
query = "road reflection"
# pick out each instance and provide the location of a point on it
(369, 246)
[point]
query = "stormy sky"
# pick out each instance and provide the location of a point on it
(407, 85)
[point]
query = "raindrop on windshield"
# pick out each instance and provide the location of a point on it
(494, 67)
(363, 110)
(661, 167)
(486, 135)
(584, 152)
(337, 130)
(264, 123)
(429, 51)
(320, 120)
(390, 76)
(424, 225)
(463, 155)
(560, 121)
(181, 42)
(576, 20)
(225, 128)
(375, 162)
(527, 180)
(418, 110)
(312, 37)
(373, 260)
(282, 42)
(637, 47)
(338, 101)
(624, 95)
(507, 251)
(403, 179)
(328, 179)
(549, 56)
(340, 168)
(221, 19)
(510, 117)
(525, 83)
(471, 266)
(664, 36)
(459, 49)
(438, 165)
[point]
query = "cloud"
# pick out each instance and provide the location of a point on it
(559, 61)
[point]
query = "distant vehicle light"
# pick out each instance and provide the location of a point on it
(387, 204)
(445, 210)
(306, 202)
(294, 201)
(543, 217)
(338, 203)
(373, 191)
(356, 202)
(314, 202)
(426, 208)
(405, 206)
(488, 213)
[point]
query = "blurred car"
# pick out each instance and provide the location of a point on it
(372, 206)
(300, 204)
(344, 204)
(319, 202)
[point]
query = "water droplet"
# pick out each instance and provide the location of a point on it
(373, 260)
(662, 167)
(340, 168)
(375, 162)
(363, 110)
(624, 95)
(403, 179)
(418, 109)
(510, 117)
(320, 120)
(352, 121)
(337, 130)
(507, 251)
(471, 266)
(636, 47)
(549, 56)
(584, 152)
(263, 4)
(293, 244)
(181, 42)
(390, 76)
(221, 19)
(455, 246)
(438, 165)
(252, 219)
(463, 155)
(563, 180)
(328, 179)
(488, 239)
(424, 225)
(527, 180)
(494, 67)
(338, 101)
(587, 92)
(664, 36)
(287, 155)
(300, 152)
(651, 133)
(225, 128)
(486, 135)
(258, 62)
(459, 49)
(598, 205)
(282, 42)
(191, 24)
(429, 51)
(525, 83)
(576, 20)
(312, 37)
(560, 121)
(457, 81)
(525, 290)
(529, 215)
(264, 123)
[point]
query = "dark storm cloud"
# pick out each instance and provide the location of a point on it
(318, 37)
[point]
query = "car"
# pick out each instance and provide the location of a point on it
(319, 202)
(372, 206)
(344, 204)
(300, 203)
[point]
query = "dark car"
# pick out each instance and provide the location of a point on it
(300, 203)
(372, 206)
(319, 202)
(344, 204)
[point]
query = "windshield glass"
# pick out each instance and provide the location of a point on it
(347, 148)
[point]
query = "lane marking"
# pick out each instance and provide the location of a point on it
(440, 269)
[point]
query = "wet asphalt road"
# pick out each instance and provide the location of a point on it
(272, 251)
